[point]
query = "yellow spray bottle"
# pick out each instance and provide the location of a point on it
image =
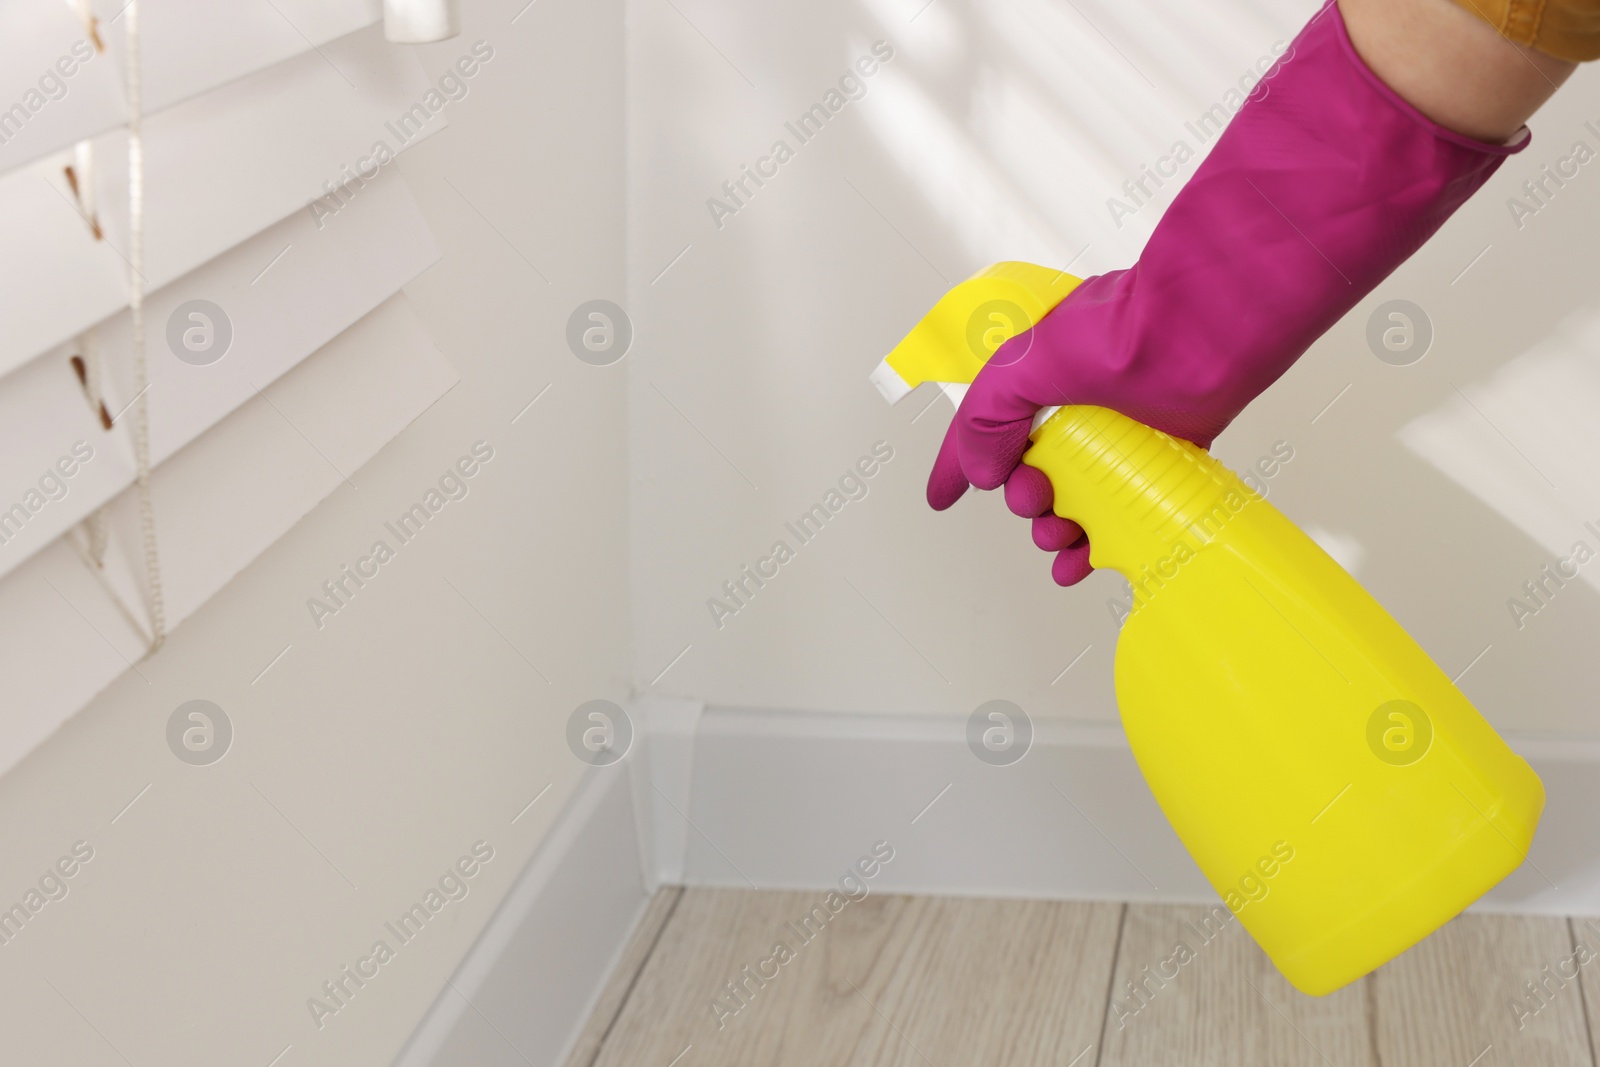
(1336, 789)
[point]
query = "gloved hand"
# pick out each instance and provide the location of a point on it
(1322, 184)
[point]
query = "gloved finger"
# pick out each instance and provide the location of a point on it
(997, 413)
(1053, 533)
(1071, 564)
(990, 450)
(1028, 492)
(946, 483)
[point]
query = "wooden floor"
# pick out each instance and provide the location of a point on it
(892, 981)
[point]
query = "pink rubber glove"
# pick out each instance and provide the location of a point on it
(1324, 182)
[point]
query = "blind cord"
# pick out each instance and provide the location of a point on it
(141, 429)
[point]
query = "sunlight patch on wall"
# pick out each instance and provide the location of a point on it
(1016, 121)
(959, 181)
(1524, 441)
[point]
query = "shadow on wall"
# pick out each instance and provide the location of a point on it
(1033, 150)
(1033, 129)
(996, 130)
(1522, 441)
(1483, 523)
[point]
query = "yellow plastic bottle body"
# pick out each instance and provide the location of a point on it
(1338, 791)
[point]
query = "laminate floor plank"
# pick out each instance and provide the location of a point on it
(1585, 937)
(742, 977)
(1192, 989)
(886, 981)
(1453, 999)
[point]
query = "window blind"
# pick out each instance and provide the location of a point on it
(256, 309)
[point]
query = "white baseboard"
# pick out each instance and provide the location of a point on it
(662, 776)
(785, 799)
(527, 985)
(772, 799)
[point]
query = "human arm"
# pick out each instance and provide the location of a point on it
(1323, 183)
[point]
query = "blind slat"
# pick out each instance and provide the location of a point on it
(220, 503)
(219, 169)
(69, 91)
(54, 88)
(328, 278)
(192, 46)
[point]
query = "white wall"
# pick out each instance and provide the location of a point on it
(377, 750)
(998, 131)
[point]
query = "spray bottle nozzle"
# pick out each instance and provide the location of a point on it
(955, 339)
